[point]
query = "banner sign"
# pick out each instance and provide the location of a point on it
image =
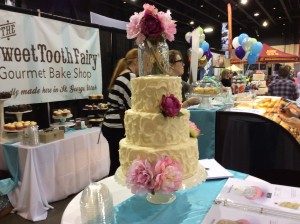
(44, 60)
(224, 36)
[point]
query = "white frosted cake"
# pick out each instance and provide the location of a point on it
(150, 135)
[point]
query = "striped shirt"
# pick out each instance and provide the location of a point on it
(283, 87)
(118, 100)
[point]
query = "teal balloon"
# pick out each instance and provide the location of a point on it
(256, 48)
(242, 37)
(252, 58)
(205, 46)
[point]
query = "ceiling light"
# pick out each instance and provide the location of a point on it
(244, 2)
(283, 24)
(256, 14)
(201, 6)
(274, 8)
(219, 15)
(192, 22)
(124, 2)
(279, 17)
(265, 23)
(208, 30)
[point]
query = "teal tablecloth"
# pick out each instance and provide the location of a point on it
(190, 206)
(11, 156)
(206, 121)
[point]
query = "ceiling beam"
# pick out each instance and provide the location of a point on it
(286, 11)
(265, 11)
(224, 12)
(244, 11)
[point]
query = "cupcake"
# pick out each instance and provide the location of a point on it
(19, 126)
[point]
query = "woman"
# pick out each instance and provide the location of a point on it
(177, 69)
(226, 78)
(119, 101)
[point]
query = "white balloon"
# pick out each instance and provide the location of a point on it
(201, 38)
(200, 53)
(188, 36)
(246, 55)
(235, 42)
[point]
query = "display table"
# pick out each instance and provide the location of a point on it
(120, 194)
(52, 171)
(206, 122)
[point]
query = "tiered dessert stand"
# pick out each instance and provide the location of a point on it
(2, 119)
(62, 121)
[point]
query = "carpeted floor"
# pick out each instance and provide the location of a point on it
(54, 215)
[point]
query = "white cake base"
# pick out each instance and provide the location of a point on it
(198, 178)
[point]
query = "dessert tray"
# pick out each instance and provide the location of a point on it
(63, 120)
(198, 178)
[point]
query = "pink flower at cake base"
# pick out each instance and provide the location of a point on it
(168, 176)
(170, 106)
(140, 177)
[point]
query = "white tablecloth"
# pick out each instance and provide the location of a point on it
(52, 171)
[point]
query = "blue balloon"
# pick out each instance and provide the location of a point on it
(204, 46)
(256, 48)
(252, 58)
(242, 37)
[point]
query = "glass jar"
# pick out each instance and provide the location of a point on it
(153, 58)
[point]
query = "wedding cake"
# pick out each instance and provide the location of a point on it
(150, 134)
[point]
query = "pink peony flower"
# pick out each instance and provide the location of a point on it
(168, 176)
(150, 8)
(170, 106)
(151, 25)
(168, 25)
(140, 177)
(194, 130)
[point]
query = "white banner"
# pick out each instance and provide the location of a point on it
(44, 60)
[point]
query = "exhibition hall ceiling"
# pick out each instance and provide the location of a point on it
(282, 16)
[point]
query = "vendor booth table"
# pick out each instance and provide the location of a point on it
(52, 171)
(190, 205)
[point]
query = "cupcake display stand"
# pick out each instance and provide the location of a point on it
(62, 121)
(11, 135)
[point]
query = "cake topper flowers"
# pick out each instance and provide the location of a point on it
(151, 24)
(151, 28)
(170, 106)
(165, 176)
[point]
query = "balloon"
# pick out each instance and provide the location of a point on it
(247, 44)
(252, 58)
(235, 42)
(200, 30)
(208, 54)
(253, 40)
(256, 48)
(188, 36)
(201, 38)
(239, 52)
(200, 52)
(246, 56)
(241, 38)
(205, 46)
(202, 62)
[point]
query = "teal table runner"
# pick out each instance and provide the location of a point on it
(190, 206)
(206, 122)
(11, 156)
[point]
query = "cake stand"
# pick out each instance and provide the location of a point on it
(205, 101)
(198, 178)
(19, 114)
(62, 121)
